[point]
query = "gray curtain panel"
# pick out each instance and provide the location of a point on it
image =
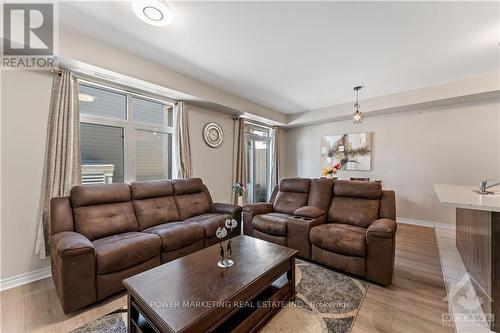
(239, 166)
(275, 158)
(62, 169)
(184, 166)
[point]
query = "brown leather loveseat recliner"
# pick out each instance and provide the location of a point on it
(102, 234)
(346, 225)
(268, 221)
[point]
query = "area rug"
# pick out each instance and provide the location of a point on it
(326, 301)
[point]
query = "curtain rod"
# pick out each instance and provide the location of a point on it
(175, 102)
(59, 72)
(257, 123)
(108, 84)
(254, 122)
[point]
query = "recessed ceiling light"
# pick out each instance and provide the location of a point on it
(154, 12)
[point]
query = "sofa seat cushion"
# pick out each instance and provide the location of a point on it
(118, 252)
(210, 222)
(340, 238)
(271, 224)
(177, 235)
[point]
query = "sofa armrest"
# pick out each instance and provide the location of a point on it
(249, 211)
(233, 210)
(384, 228)
(222, 208)
(380, 248)
(73, 270)
(298, 229)
(70, 244)
(310, 212)
(259, 208)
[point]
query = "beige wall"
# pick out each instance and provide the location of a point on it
(213, 165)
(25, 106)
(458, 144)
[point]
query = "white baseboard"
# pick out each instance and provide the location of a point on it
(430, 224)
(21, 279)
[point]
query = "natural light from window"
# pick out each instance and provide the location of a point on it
(125, 136)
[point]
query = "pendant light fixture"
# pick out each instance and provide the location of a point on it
(357, 117)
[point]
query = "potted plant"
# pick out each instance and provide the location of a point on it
(239, 189)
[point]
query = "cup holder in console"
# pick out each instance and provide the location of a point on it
(302, 218)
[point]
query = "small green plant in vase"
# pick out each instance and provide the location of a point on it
(239, 189)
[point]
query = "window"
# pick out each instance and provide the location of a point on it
(258, 145)
(152, 151)
(101, 149)
(102, 103)
(124, 136)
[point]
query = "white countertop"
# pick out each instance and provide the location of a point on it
(463, 197)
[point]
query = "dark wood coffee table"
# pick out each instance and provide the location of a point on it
(192, 294)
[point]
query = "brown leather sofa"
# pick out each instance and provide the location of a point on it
(346, 225)
(102, 234)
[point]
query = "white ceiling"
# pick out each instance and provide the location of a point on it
(298, 56)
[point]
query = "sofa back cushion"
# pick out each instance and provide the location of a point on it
(293, 193)
(355, 202)
(190, 197)
(102, 210)
(154, 203)
(320, 194)
(387, 209)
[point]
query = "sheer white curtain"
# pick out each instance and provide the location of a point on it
(183, 146)
(62, 169)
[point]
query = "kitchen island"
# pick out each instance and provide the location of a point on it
(477, 240)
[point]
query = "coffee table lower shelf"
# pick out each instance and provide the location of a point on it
(249, 318)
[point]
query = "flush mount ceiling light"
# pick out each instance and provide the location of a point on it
(357, 117)
(154, 12)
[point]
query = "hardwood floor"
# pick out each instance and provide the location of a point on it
(414, 302)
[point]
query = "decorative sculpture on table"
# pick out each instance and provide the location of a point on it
(221, 233)
(230, 224)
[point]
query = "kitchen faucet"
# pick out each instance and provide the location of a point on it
(483, 187)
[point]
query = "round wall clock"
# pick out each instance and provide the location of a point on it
(213, 135)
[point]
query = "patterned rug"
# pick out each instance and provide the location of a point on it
(326, 301)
